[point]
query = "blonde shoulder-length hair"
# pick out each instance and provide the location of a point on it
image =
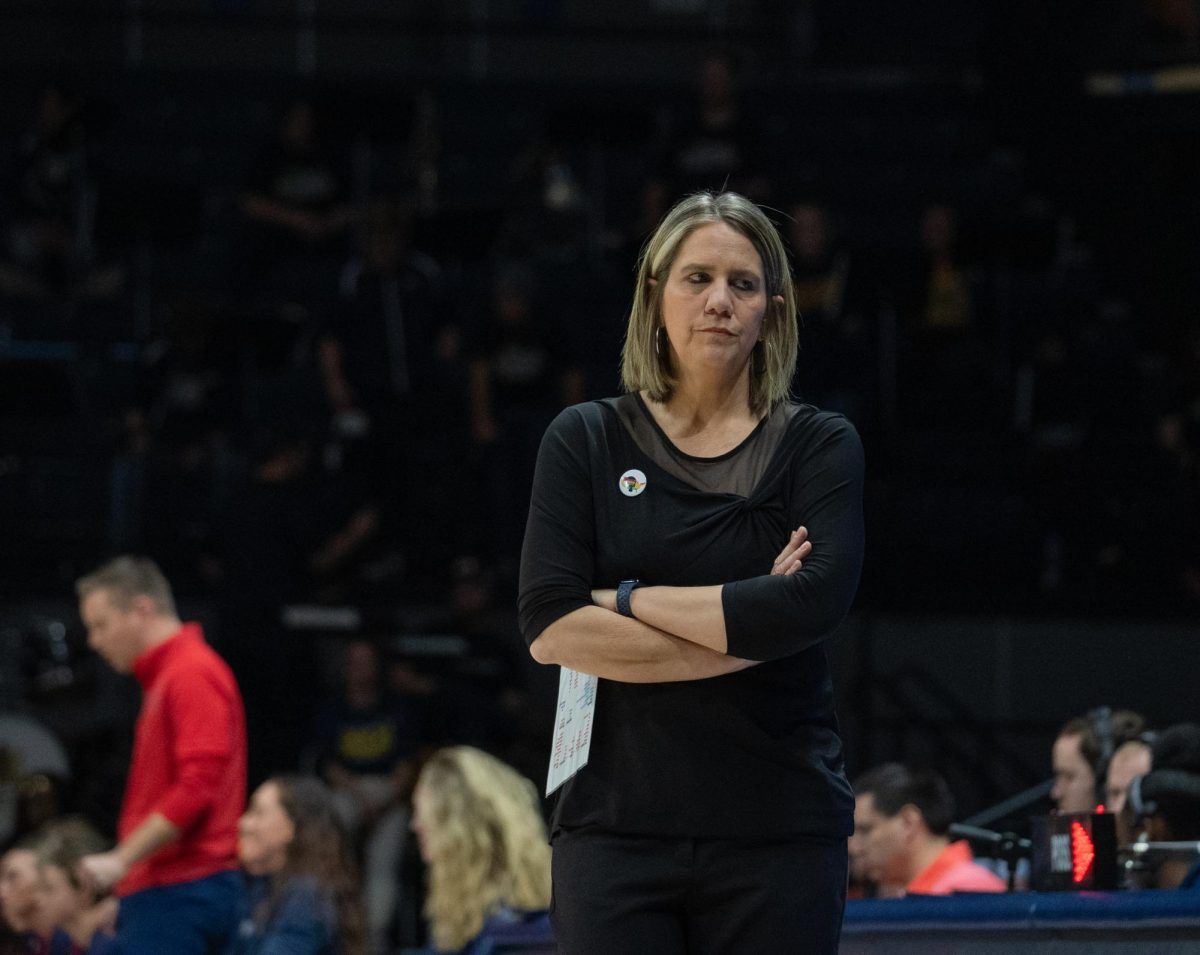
(646, 365)
(486, 843)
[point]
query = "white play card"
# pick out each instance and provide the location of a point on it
(572, 727)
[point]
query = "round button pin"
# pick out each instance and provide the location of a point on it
(632, 482)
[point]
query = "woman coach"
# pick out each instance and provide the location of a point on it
(713, 812)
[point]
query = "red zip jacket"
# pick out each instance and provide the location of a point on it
(189, 761)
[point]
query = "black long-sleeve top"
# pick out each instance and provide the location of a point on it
(749, 754)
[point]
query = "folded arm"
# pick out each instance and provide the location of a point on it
(603, 643)
(681, 633)
(558, 618)
(696, 614)
(811, 585)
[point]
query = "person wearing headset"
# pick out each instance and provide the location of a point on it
(1081, 754)
(1164, 804)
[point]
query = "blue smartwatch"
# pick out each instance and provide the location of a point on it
(624, 590)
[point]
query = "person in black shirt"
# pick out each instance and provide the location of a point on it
(295, 215)
(521, 374)
(713, 812)
(297, 196)
(713, 140)
(48, 201)
(368, 746)
(389, 347)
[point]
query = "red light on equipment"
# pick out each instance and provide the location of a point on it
(1083, 852)
(1073, 851)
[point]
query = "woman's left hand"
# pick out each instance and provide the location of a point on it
(606, 599)
(792, 556)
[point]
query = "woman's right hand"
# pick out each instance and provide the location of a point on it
(791, 558)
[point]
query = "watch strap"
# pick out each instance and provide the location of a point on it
(625, 590)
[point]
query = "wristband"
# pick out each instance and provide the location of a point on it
(625, 590)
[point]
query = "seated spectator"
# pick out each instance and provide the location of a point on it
(944, 366)
(1081, 753)
(48, 199)
(21, 906)
(295, 211)
(480, 830)
(821, 267)
(176, 466)
(1130, 760)
(366, 741)
(67, 903)
(297, 195)
(521, 374)
(902, 817)
(945, 299)
(547, 218)
(1165, 803)
(302, 896)
(713, 144)
(833, 333)
(389, 341)
(24, 902)
(861, 884)
(390, 364)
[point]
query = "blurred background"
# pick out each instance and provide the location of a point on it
(290, 289)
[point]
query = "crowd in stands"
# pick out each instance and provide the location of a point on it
(328, 851)
(478, 825)
(365, 360)
(479, 855)
(45, 904)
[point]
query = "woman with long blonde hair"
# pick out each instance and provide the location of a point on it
(480, 830)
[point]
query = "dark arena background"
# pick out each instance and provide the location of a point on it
(290, 289)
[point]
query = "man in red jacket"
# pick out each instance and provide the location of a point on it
(175, 863)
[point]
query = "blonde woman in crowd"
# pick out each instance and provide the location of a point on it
(479, 826)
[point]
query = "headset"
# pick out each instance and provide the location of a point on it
(1146, 791)
(1175, 782)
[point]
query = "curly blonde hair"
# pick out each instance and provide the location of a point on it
(645, 367)
(485, 843)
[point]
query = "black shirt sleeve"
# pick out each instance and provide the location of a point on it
(557, 559)
(768, 617)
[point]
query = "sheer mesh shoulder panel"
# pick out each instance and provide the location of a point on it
(735, 472)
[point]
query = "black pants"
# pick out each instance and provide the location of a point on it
(617, 894)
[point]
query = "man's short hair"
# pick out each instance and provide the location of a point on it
(893, 786)
(1101, 732)
(127, 577)
(1173, 783)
